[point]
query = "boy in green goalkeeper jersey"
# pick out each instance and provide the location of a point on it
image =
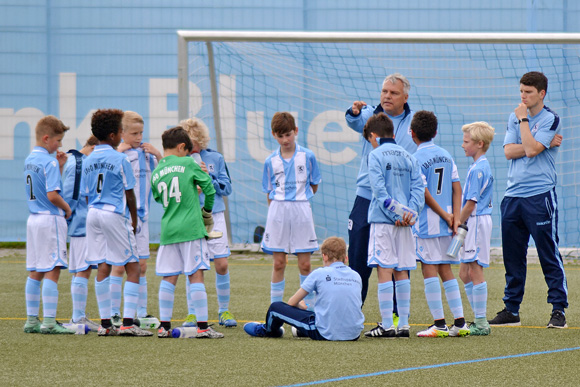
(184, 228)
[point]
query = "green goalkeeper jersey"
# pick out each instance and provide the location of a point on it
(174, 184)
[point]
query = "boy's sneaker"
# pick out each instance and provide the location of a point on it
(403, 332)
(257, 329)
(163, 333)
(93, 326)
(133, 330)
(456, 331)
(190, 321)
(557, 320)
(297, 333)
(116, 320)
(505, 318)
(208, 333)
(110, 331)
(227, 319)
(32, 325)
(56, 329)
(379, 331)
(480, 328)
(434, 331)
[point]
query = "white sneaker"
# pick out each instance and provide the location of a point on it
(297, 333)
(456, 331)
(208, 333)
(133, 330)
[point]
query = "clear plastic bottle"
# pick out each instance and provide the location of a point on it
(399, 209)
(149, 322)
(457, 241)
(80, 329)
(184, 332)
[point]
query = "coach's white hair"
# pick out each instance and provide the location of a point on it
(393, 78)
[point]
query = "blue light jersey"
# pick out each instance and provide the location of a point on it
(439, 172)
(41, 175)
(393, 173)
(107, 174)
(402, 125)
(290, 180)
(338, 301)
(533, 176)
(479, 187)
(71, 188)
(143, 164)
(220, 177)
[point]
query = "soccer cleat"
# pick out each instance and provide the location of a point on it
(208, 333)
(456, 331)
(227, 319)
(297, 333)
(116, 320)
(163, 333)
(505, 318)
(93, 326)
(133, 330)
(557, 320)
(480, 328)
(190, 321)
(32, 325)
(434, 331)
(403, 332)
(110, 331)
(379, 331)
(56, 329)
(257, 329)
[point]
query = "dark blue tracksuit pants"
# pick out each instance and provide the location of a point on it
(536, 216)
(303, 320)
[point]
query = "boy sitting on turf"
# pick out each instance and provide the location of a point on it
(337, 312)
(435, 225)
(184, 228)
(394, 174)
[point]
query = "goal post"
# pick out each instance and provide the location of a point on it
(236, 80)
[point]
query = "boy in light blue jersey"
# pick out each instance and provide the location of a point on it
(476, 214)
(78, 266)
(143, 158)
(108, 182)
(530, 204)
(436, 224)
(214, 165)
(337, 312)
(290, 179)
(46, 226)
(393, 174)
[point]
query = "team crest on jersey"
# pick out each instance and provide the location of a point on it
(301, 169)
(211, 168)
(389, 166)
(277, 184)
(479, 175)
(267, 237)
(535, 128)
(328, 278)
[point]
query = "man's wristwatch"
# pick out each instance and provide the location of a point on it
(523, 120)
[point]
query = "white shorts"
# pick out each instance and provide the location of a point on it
(391, 247)
(45, 242)
(182, 258)
(142, 238)
(289, 228)
(110, 238)
(78, 255)
(434, 250)
(477, 241)
(219, 248)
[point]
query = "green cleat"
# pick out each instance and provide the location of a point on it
(190, 321)
(32, 325)
(480, 328)
(227, 319)
(56, 329)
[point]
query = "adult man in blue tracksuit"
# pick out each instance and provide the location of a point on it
(394, 96)
(530, 205)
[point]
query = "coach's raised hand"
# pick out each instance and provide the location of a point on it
(357, 106)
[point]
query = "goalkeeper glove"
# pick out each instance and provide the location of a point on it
(207, 219)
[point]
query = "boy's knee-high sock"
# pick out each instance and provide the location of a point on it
(199, 300)
(480, 300)
(385, 294)
(116, 284)
(453, 298)
(190, 307)
(79, 290)
(309, 299)
(131, 296)
(222, 289)
(469, 293)
(403, 290)
(49, 298)
(103, 291)
(142, 303)
(32, 292)
(277, 291)
(166, 299)
(433, 296)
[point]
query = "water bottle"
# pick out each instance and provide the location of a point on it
(196, 157)
(400, 209)
(80, 329)
(184, 332)
(148, 323)
(457, 241)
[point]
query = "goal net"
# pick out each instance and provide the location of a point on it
(318, 81)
